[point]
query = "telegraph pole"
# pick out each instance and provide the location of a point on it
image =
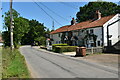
(53, 25)
(11, 27)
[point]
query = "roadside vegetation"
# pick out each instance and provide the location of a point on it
(14, 65)
(0, 63)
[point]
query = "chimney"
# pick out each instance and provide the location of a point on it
(98, 15)
(73, 21)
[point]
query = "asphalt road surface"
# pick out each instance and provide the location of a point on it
(47, 65)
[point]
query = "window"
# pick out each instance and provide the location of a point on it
(79, 33)
(87, 32)
(92, 44)
(98, 43)
(59, 42)
(58, 34)
(91, 31)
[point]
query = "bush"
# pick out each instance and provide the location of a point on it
(61, 49)
(54, 45)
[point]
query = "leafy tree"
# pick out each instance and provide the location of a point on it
(25, 31)
(7, 18)
(6, 38)
(36, 30)
(106, 8)
(41, 40)
(20, 27)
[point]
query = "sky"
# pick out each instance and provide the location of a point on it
(29, 10)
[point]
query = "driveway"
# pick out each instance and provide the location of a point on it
(50, 65)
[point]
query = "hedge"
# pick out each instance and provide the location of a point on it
(54, 45)
(61, 49)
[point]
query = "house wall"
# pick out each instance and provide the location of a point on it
(1, 44)
(81, 34)
(98, 32)
(119, 28)
(113, 30)
(56, 37)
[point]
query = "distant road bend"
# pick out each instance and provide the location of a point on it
(46, 65)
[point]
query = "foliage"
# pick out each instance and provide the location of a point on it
(21, 27)
(14, 65)
(106, 8)
(54, 45)
(7, 18)
(6, 38)
(36, 30)
(25, 31)
(61, 49)
(59, 45)
(41, 40)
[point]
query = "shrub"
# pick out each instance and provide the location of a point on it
(54, 45)
(61, 49)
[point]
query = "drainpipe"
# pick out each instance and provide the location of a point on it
(108, 31)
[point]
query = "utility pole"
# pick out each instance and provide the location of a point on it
(11, 27)
(53, 26)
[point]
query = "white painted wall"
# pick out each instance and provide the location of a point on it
(56, 38)
(98, 32)
(113, 30)
(81, 34)
(119, 28)
(1, 44)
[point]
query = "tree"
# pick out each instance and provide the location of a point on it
(36, 30)
(20, 27)
(41, 40)
(25, 31)
(106, 8)
(7, 18)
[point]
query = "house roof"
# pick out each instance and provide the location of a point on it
(62, 29)
(83, 25)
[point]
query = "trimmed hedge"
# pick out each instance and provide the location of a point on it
(54, 45)
(61, 49)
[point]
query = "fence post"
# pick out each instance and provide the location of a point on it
(92, 50)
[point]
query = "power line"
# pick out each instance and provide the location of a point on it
(53, 12)
(46, 13)
(67, 4)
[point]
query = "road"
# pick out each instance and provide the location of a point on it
(47, 65)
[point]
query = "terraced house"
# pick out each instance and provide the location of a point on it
(99, 32)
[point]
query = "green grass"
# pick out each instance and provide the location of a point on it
(0, 63)
(14, 65)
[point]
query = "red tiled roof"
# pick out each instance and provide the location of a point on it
(78, 25)
(62, 29)
(83, 25)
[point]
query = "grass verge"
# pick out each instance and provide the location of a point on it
(0, 63)
(14, 65)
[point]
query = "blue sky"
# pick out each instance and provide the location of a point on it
(30, 11)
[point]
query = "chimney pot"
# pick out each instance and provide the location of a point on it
(98, 15)
(73, 21)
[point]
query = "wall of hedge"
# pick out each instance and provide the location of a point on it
(61, 49)
(54, 45)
